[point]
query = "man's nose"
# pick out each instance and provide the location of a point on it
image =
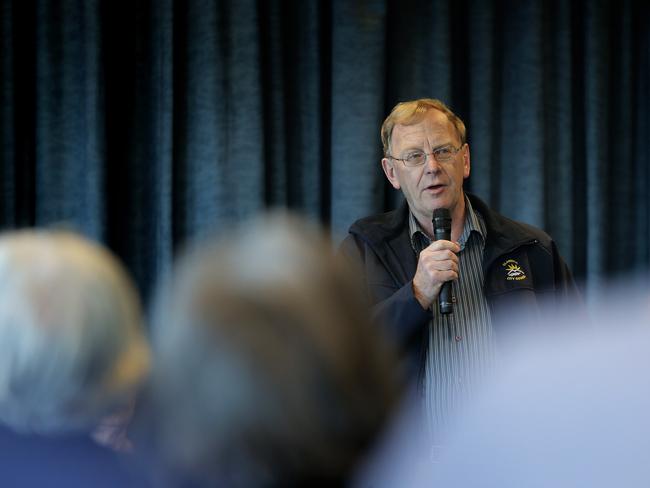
(431, 165)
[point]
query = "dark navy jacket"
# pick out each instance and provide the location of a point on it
(66, 461)
(381, 245)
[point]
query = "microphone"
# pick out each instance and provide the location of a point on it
(442, 230)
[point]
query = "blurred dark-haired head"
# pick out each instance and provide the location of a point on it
(267, 368)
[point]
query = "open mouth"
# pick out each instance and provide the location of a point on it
(435, 188)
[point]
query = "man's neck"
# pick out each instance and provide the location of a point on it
(457, 221)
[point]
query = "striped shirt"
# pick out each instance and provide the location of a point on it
(461, 345)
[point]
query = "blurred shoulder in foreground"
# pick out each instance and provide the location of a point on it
(568, 407)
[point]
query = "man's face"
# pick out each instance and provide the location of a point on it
(433, 184)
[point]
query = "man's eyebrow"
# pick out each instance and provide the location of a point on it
(443, 145)
(419, 149)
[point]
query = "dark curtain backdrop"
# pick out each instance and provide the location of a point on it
(146, 123)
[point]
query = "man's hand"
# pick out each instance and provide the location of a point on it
(437, 264)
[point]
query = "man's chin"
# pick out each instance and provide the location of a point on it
(437, 201)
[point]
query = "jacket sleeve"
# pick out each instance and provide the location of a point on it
(566, 290)
(393, 306)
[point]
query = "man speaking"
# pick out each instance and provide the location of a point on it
(494, 264)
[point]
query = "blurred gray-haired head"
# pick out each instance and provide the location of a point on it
(267, 367)
(71, 341)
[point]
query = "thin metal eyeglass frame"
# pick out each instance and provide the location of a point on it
(426, 156)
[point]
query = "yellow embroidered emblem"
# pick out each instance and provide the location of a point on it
(513, 270)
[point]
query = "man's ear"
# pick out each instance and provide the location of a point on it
(389, 170)
(466, 162)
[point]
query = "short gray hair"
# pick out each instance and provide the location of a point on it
(71, 338)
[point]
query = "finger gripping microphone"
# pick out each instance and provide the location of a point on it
(442, 230)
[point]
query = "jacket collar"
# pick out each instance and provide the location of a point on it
(379, 228)
(388, 235)
(502, 232)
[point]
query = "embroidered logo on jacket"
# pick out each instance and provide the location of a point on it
(513, 270)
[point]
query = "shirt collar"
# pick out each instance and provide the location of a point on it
(473, 223)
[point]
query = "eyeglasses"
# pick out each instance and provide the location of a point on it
(418, 158)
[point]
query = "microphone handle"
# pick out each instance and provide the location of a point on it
(445, 299)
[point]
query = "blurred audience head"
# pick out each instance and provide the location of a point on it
(267, 370)
(72, 349)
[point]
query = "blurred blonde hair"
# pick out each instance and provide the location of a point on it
(71, 339)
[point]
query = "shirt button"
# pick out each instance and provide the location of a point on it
(458, 338)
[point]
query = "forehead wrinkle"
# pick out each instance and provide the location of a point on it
(431, 132)
(409, 136)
